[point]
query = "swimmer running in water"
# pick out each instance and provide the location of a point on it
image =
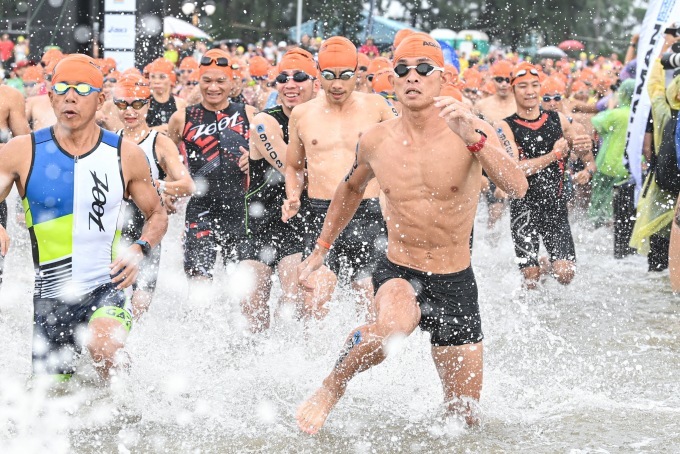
(428, 162)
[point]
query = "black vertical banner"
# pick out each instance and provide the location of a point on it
(149, 44)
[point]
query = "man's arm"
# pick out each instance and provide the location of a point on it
(14, 161)
(139, 187)
(176, 126)
(295, 168)
(580, 142)
(267, 142)
(501, 168)
(344, 204)
(17, 113)
(179, 183)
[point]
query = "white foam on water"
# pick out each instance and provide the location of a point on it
(591, 367)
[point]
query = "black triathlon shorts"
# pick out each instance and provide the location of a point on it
(449, 309)
(356, 250)
(59, 325)
(532, 220)
(210, 228)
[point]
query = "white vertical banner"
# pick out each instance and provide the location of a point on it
(119, 35)
(659, 14)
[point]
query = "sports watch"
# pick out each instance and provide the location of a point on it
(146, 247)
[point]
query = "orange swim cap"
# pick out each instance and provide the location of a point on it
(188, 63)
(52, 55)
(453, 71)
(298, 59)
(338, 52)
(381, 81)
(524, 72)
(258, 66)
(132, 70)
(215, 54)
(363, 60)
(552, 86)
(377, 64)
(133, 86)
(33, 74)
(502, 68)
(400, 35)
(114, 75)
(450, 90)
(419, 45)
(578, 86)
(78, 68)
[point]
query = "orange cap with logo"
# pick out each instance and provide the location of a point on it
(133, 86)
(214, 54)
(381, 81)
(78, 68)
(419, 45)
(33, 74)
(298, 59)
(338, 52)
(524, 72)
(258, 66)
(400, 35)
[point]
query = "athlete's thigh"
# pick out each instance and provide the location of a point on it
(3, 213)
(287, 271)
(396, 306)
(460, 368)
(524, 233)
(256, 274)
(556, 233)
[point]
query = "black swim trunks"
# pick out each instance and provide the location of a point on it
(532, 220)
(3, 222)
(449, 309)
(356, 250)
(59, 326)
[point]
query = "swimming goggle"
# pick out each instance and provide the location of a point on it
(299, 77)
(523, 72)
(219, 61)
(556, 98)
(136, 104)
(330, 75)
(423, 69)
(500, 80)
(82, 89)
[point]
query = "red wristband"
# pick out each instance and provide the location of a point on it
(475, 147)
(558, 154)
(324, 244)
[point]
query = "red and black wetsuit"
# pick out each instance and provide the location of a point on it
(215, 214)
(542, 213)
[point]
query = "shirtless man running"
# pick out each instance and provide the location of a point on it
(428, 162)
(323, 135)
(273, 243)
(493, 109)
(12, 123)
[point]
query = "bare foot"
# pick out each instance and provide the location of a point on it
(312, 414)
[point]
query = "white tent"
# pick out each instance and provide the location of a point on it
(174, 26)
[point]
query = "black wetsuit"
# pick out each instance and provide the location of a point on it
(215, 214)
(160, 113)
(542, 213)
(270, 239)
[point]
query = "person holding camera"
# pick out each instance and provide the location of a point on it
(655, 206)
